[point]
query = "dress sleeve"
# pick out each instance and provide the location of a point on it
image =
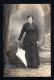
(21, 34)
(37, 33)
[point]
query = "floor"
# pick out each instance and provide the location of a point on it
(44, 70)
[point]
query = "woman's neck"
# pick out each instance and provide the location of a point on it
(30, 23)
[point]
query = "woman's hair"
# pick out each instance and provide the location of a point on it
(31, 16)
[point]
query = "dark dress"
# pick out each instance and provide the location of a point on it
(30, 44)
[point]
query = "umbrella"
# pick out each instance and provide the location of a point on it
(21, 55)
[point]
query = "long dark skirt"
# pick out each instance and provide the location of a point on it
(32, 56)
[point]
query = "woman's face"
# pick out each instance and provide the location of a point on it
(30, 20)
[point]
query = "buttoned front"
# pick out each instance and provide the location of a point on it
(32, 34)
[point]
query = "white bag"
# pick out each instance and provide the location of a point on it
(21, 55)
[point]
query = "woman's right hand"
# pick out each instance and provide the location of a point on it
(18, 41)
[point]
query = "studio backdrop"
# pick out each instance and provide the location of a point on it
(14, 16)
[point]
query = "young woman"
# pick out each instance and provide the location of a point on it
(30, 42)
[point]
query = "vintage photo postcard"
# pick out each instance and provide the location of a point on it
(27, 40)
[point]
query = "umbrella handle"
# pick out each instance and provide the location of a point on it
(18, 46)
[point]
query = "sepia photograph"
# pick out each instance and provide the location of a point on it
(27, 40)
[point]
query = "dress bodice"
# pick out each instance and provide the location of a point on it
(30, 28)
